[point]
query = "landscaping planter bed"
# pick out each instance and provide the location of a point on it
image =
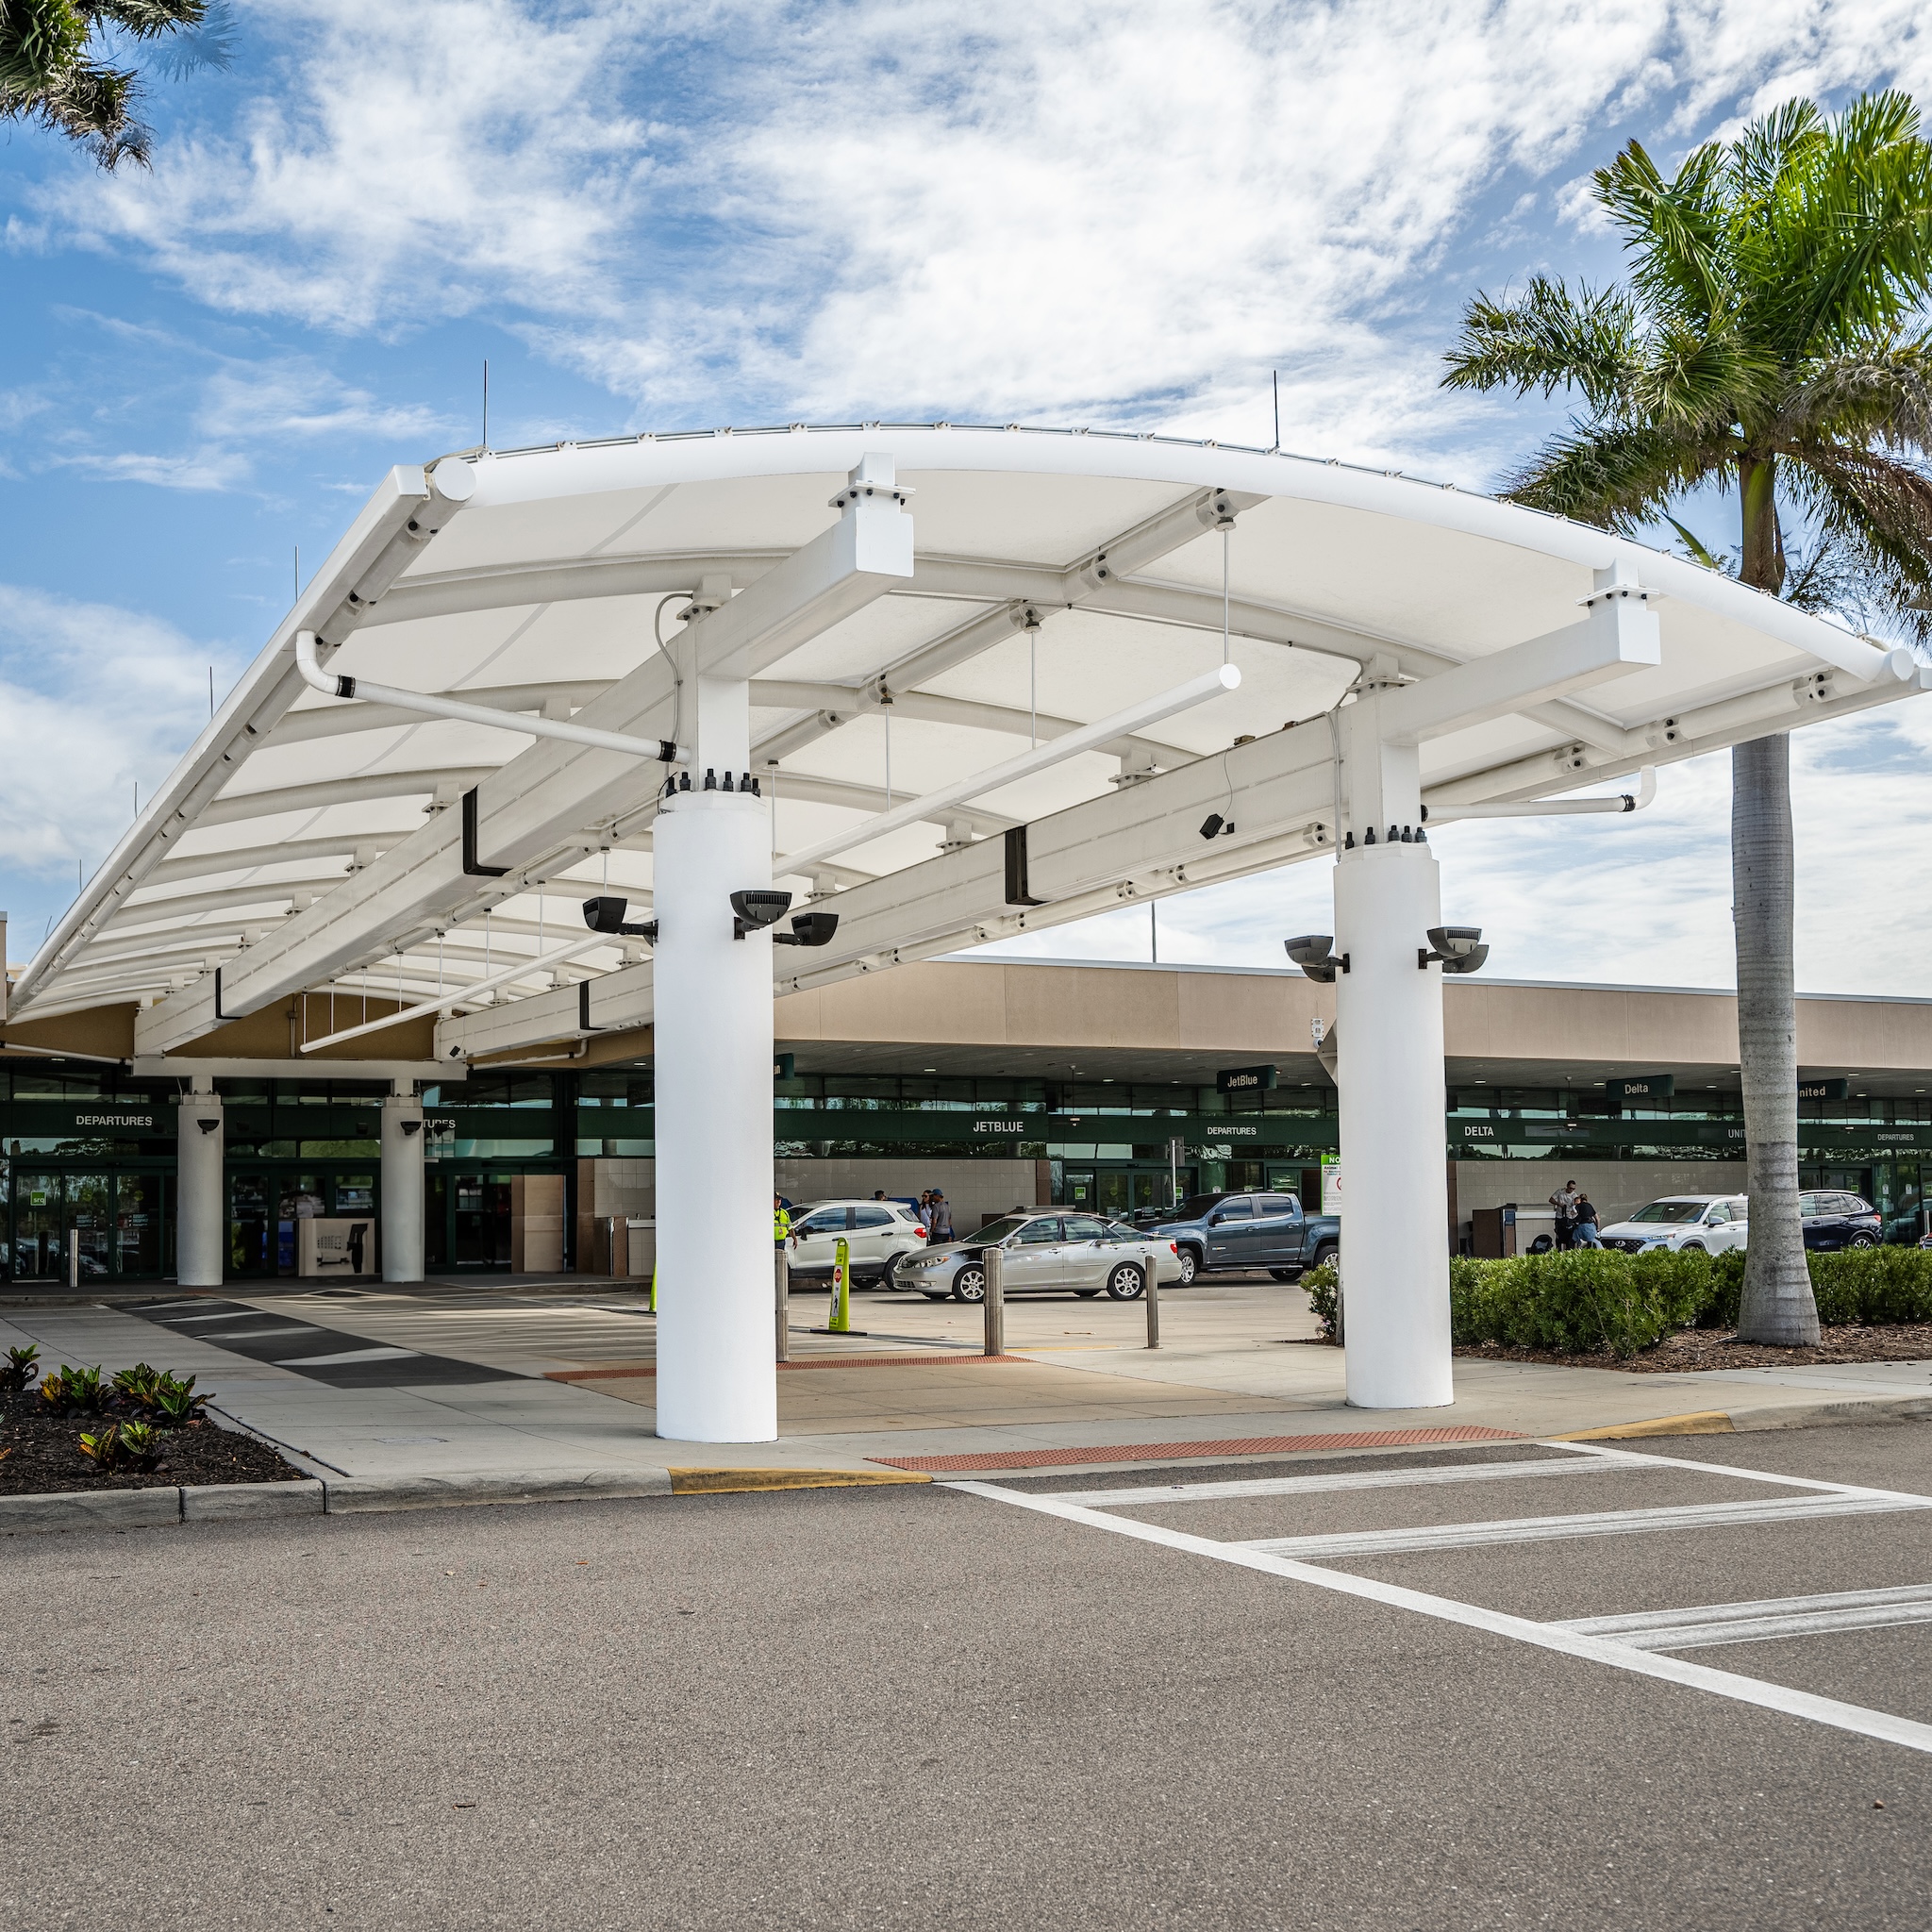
(1705, 1348)
(46, 1456)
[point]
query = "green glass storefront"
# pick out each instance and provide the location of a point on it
(89, 1156)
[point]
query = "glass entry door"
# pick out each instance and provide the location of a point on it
(480, 1220)
(38, 1228)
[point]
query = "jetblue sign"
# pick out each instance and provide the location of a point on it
(1246, 1079)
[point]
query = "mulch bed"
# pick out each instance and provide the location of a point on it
(1710, 1348)
(46, 1454)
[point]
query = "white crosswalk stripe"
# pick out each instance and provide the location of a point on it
(1762, 1620)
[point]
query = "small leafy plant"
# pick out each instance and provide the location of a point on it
(73, 1392)
(174, 1402)
(140, 1444)
(137, 1386)
(105, 1450)
(23, 1366)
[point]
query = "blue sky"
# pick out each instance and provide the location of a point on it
(666, 215)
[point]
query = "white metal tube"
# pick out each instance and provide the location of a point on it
(659, 749)
(200, 1217)
(462, 996)
(1210, 684)
(402, 1189)
(717, 1380)
(1555, 808)
(1396, 1203)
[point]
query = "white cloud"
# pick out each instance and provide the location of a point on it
(94, 698)
(204, 469)
(1085, 210)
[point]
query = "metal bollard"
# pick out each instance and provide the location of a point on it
(994, 1303)
(781, 1298)
(1153, 1302)
(73, 1260)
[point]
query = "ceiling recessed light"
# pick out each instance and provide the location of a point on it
(928, 1070)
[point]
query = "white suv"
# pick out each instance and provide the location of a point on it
(880, 1235)
(1710, 1221)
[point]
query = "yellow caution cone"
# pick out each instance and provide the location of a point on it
(838, 1311)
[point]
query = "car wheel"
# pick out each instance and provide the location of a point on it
(1190, 1266)
(1285, 1274)
(1126, 1283)
(1325, 1254)
(1085, 1295)
(1694, 1248)
(889, 1275)
(934, 1294)
(1863, 1240)
(968, 1285)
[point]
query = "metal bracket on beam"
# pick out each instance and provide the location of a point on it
(1017, 892)
(474, 867)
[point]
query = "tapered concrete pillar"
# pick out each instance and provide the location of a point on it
(201, 1218)
(717, 1377)
(402, 1186)
(1390, 1076)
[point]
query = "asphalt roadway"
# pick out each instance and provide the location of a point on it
(927, 1706)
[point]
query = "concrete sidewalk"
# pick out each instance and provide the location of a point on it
(565, 1383)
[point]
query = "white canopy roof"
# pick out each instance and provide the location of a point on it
(1058, 578)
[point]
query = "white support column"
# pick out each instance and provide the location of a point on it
(402, 1184)
(201, 1230)
(1390, 1073)
(717, 1377)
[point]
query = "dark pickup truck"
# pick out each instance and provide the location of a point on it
(1214, 1232)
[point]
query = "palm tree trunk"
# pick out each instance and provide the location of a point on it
(1778, 1306)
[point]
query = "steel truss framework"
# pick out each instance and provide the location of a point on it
(985, 592)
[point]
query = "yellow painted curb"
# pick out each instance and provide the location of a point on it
(1705, 1421)
(695, 1482)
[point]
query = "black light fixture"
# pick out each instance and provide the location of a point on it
(605, 914)
(412, 1128)
(754, 909)
(1213, 826)
(1314, 953)
(1458, 949)
(808, 929)
(208, 1126)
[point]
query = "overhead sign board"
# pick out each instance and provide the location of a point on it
(1824, 1090)
(1642, 1087)
(1246, 1079)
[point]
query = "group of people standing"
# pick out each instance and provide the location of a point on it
(1576, 1220)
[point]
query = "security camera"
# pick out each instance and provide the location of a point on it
(208, 1126)
(1314, 953)
(808, 929)
(1213, 826)
(607, 915)
(754, 910)
(412, 1128)
(1457, 948)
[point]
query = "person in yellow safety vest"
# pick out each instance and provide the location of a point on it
(781, 1221)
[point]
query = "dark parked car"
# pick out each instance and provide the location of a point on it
(1838, 1221)
(1213, 1232)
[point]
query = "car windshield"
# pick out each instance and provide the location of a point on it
(1002, 1231)
(1670, 1210)
(1197, 1206)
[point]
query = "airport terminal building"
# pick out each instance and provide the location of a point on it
(1103, 1086)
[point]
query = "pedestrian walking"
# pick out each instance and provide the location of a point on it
(781, 1221)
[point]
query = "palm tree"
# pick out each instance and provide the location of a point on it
(53, 64)
(1770, 339)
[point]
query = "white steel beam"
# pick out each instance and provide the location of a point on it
(530, 810)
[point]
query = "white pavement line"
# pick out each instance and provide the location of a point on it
(1308, 1485)
(1880, 1725)
(1743, 1474)
(1762, 1620)
(1532, 1529)
(349, 1354)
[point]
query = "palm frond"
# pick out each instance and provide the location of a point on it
(1695, 549)
(1674, 230)
(1882, 395)
(1547, 341)
(1879, 512)
(1613, 475)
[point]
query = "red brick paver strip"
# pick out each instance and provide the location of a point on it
(1165, 1452)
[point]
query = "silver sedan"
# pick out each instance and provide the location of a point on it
(1047, 1254)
